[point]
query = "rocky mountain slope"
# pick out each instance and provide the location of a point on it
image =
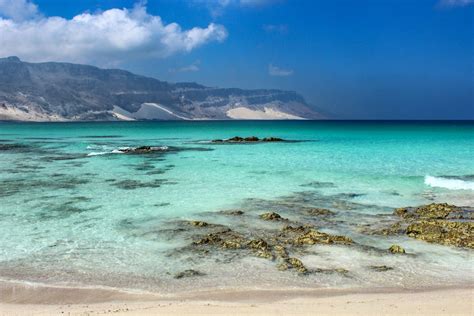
(70, 92)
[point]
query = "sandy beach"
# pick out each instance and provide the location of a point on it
(38, 300)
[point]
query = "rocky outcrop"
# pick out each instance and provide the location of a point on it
(251, 139)
(439, 223)
(188, 273)
(143, 149)
(272, 216)
(396, 249)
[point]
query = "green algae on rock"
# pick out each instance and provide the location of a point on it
(439, 223)
(272, 216)
(396, 249)
(380, 268)
(188, 273)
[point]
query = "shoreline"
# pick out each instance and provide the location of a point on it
(23, 299)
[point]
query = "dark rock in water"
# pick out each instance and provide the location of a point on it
(314, 211)
(226, 239)
(143, 150)
(396, 249)
(199, 223)
(292, 263)
(335, 270)
(273, 139)
(319, 185)
(134, 184)
(272, 216)
(233, 212)
(313, 237)
(380, 268)
(440, 223)
(251, 139)
(307, 235)
(459, 234)
(188, 273)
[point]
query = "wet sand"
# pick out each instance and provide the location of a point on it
(17, 299)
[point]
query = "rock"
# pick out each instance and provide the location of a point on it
(233, 212)
(292, 263)
(313, 236)
(258, 244)
(280, 251)
(227, 239)
(396, 249)
(295, 263)
(251, 139)
(188, 273)
(272, 216)
(235, 139)
(199, 223)
(430, 211)
(440, 223)
(460, 234)
(314, 211)
(273, 139)
(265, 254)
(143, 149)
(380, 268)
(329, 271)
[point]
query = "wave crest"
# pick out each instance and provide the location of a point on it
(451, 184)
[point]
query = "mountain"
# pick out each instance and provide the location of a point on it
(69, 92)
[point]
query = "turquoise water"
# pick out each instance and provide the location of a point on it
(75, 212)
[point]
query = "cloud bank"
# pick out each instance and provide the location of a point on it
(105, 37)
(279, 72)
(18, 10)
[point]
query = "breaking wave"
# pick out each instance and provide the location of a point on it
(447, 183)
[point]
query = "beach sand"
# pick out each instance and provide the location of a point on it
(29, 300)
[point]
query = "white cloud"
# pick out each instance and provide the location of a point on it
(18, 10)
(105, 37)
(455, 3)
(189, 68)
(279, 72)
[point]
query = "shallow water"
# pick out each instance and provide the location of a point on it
(75, 211)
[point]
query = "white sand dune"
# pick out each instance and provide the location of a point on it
(243, 113)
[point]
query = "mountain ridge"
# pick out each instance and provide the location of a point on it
(54, 91)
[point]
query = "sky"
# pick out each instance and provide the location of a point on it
(351, 59)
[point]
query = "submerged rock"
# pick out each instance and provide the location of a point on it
(199, 223)
(380, 268)
(314, 211)
(272, 216)
(251, 139)
(142, 149)
(396, 249)
(188, 273)
(292, 263)
(335, 270)
(460, 234)
(233, 212)
(312, 236)
(440, 223)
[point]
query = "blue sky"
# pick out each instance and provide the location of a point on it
(377, 59)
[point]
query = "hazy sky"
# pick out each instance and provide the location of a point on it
(386, 59)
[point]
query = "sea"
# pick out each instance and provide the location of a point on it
(77, 210)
